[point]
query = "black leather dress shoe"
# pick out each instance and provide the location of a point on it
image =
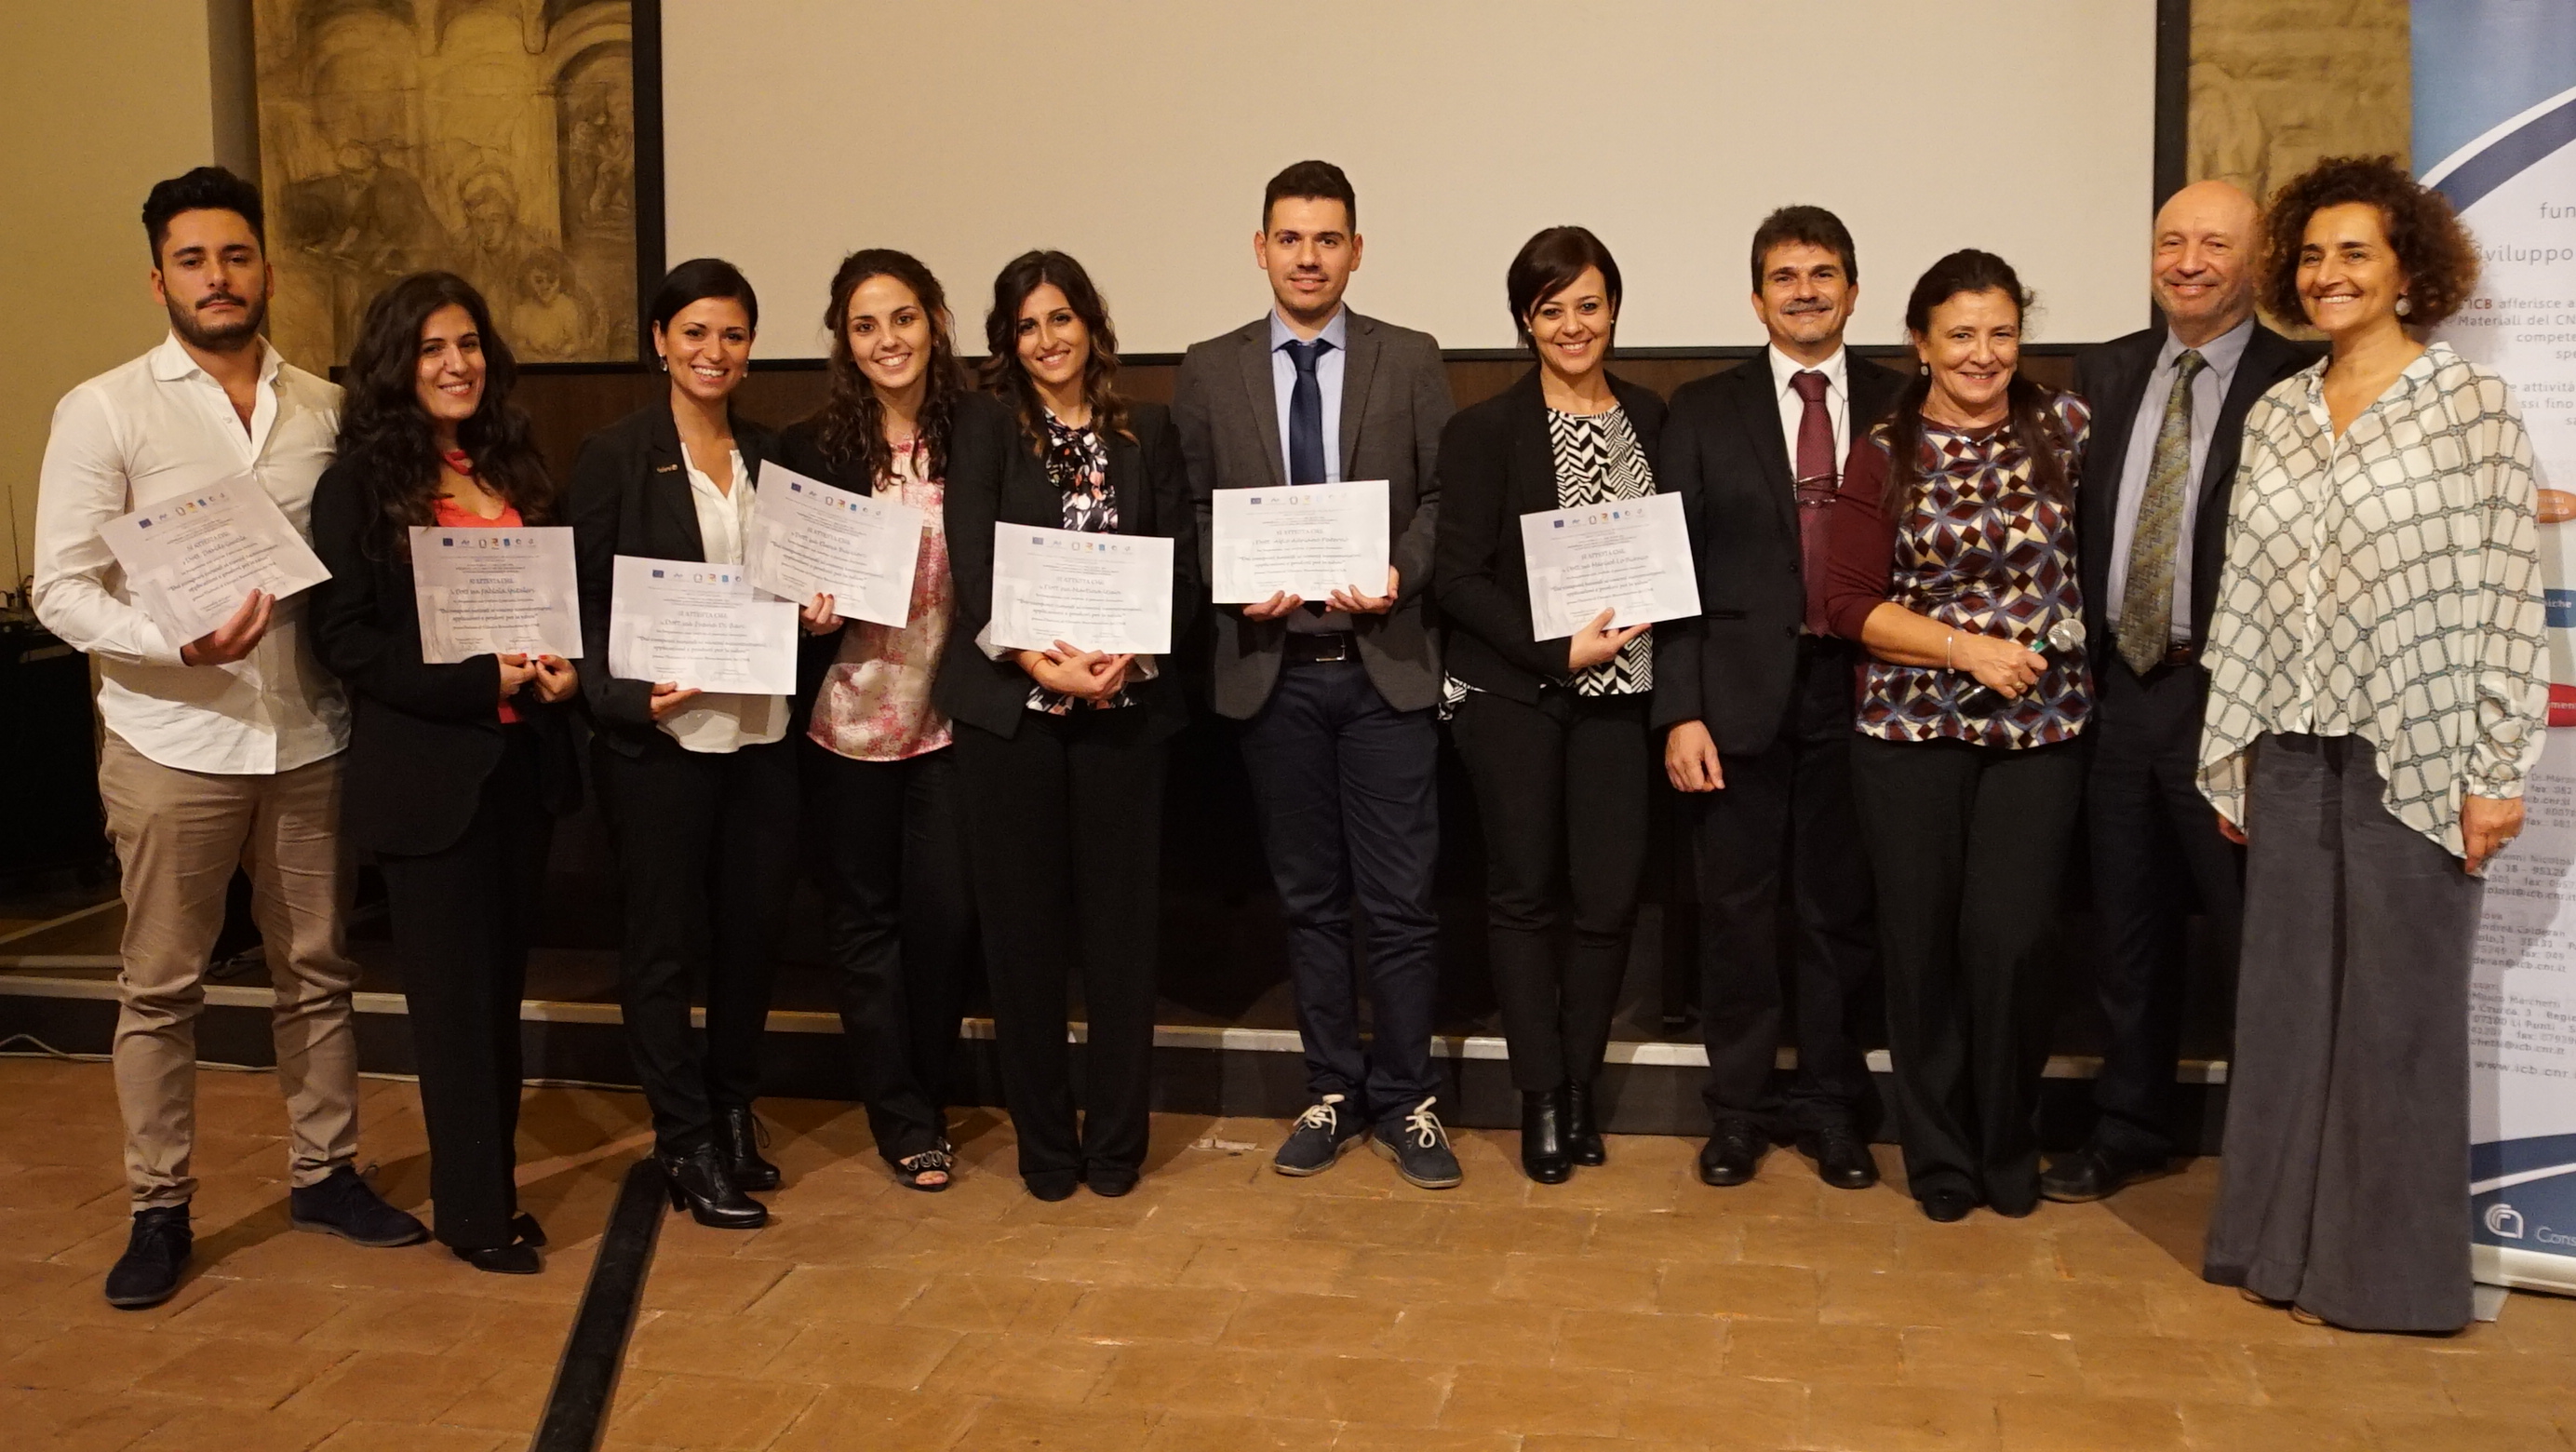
(1947, 1206)
(518, 1259)
(1545, 1157)
(1582, 1131)
(700, 1184)
(1732, 1155)
(1842, 1158)
(530, 1233)
(740, 1135)
(2093, 1173)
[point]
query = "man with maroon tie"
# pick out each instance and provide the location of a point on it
(1756, 701)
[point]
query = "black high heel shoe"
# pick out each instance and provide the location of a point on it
(530, 1233)
(517, 1259)
(1543, 1150)
(700, 1185)
(1582, 1135)
(741, 1135)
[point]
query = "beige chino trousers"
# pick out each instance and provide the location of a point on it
(178, 836)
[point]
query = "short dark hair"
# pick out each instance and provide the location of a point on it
(698, 279)
(1317, 180)
(207, 189)
(1548, 264)
(2436, 253)
(1813, 226)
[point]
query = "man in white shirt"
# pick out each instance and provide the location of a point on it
(221, 750)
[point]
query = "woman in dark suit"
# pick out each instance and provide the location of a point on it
(454, 771)
(699, 789)
(1553, 731)
(1061, 751)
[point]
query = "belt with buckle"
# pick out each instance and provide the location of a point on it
(2180, 653)
(1321, 648)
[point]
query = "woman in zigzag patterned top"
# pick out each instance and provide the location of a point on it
(2377, 696)
(1553, 731)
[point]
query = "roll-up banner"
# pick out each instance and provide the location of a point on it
(2495, 130)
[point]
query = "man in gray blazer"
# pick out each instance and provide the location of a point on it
(1336, 696)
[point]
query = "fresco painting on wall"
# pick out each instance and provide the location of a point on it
(495, 138)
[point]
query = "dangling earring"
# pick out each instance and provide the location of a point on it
(2405, 305)
(662, 363)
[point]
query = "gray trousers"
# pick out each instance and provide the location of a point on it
(2345, 1186)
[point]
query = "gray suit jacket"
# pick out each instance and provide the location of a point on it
(1395, 400)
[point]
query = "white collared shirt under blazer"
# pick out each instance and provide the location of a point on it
(2385, 585)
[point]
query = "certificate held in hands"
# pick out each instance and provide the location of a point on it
(1305, 540)
(808, 538)
(699, 627)
(1106, 592)
(495, 592)
(1631, 556)
(191, 560)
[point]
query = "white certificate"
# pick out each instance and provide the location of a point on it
(699, 627)
(1109, 592)
(1632, 556)
(1307, 540)
(808, 538)
(193, 559)
(495, 592)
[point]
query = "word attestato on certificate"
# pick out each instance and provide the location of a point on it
(1631, 556)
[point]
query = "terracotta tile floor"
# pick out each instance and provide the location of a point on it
(1219, 1307)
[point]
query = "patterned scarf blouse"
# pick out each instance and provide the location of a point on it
(1077, 464)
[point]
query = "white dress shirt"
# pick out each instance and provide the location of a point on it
(2208, 395)
(723, 721)
(1328, 376)
(1793, 409)
(153, 428)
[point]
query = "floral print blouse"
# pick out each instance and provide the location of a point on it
(874, 704)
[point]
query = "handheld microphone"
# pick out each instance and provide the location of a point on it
(2067, 635)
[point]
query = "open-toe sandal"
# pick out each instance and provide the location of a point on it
(913, 1172)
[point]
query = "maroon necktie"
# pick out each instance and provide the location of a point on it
(1816, 478)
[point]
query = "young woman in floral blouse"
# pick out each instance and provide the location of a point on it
(1953, 556)
(1061, 751)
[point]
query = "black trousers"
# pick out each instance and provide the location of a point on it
(463, 918)
(1066, 832)
(1561, 788)
(1786, 813)
(2156, 849)
(1347, 791)
(1968, 844)
(892, 836)
(706, 853)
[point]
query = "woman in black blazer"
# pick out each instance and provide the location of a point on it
(699, 790)
(1061, 750)
(454, 771)
(1553, 731)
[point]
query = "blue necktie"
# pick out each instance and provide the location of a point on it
(1306, 414)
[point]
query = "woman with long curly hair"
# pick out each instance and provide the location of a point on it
(902, 931)
(454, 771)
(1061, 751)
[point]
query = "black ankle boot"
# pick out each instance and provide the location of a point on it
(740, 1134)
(700, 1184)
(1582, 1133)
(1543, 1150)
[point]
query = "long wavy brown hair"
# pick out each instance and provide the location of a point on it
(1007, 379)
(2033, 421)
(387, 437)
(852, 421)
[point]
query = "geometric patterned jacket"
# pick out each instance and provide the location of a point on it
(2385, 585)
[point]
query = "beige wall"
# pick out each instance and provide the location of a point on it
(108, 97)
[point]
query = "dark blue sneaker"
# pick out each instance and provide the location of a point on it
(1420, 1149)
(344, 1204)
(155, 1253)
(1316, 1141)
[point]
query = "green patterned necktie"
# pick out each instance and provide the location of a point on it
(2146, 601)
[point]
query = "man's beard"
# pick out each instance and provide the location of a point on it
(183, 320)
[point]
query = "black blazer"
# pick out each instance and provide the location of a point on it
(1732, 668)
(2112, 379)
(630, 496)
(425, 736)
(996, 476)
(1496, 464)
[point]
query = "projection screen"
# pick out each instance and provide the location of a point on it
(1137, 134)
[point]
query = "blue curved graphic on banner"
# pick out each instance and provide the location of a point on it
(2505, 158)
(2498, 1158)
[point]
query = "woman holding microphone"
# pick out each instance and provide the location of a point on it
(699, 789)
(1061, 750)
(1553, 730)
(455, 772)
